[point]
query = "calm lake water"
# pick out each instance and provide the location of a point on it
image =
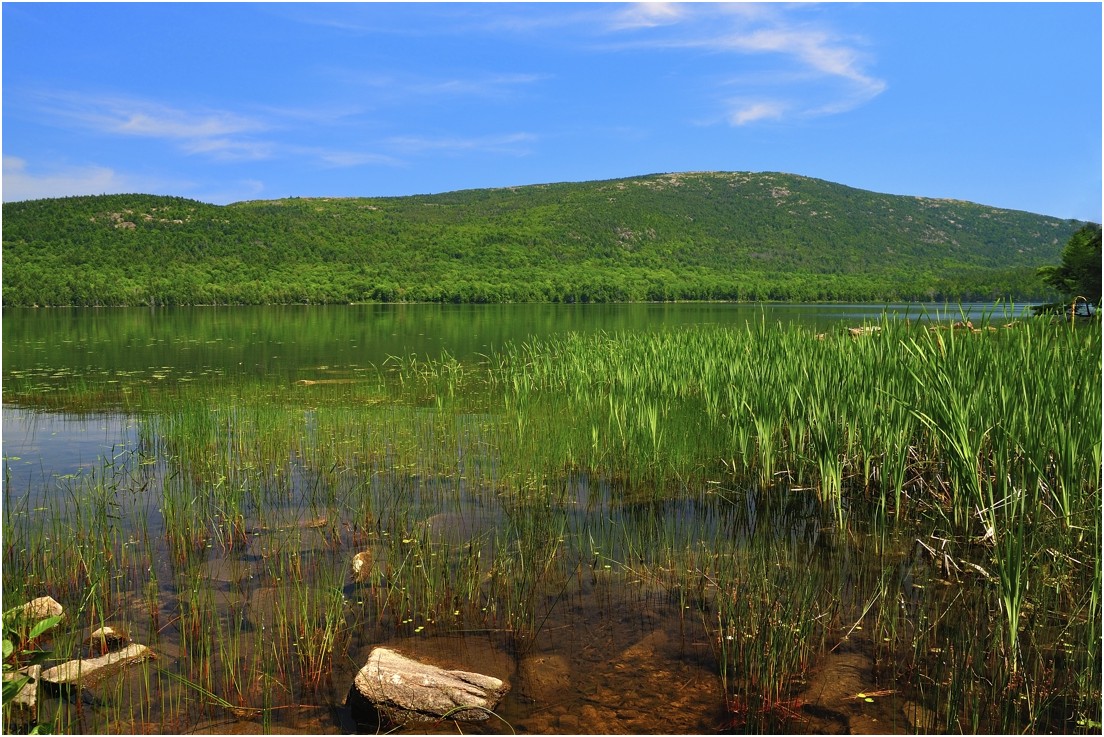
(617, 647)
(48, 348)
(115, 343)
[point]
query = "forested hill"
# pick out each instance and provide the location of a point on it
(668, 236)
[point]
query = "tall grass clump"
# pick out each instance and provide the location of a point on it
(987, 437)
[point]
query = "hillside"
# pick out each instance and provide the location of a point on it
(669, 236)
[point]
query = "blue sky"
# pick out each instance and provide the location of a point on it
(994, 103)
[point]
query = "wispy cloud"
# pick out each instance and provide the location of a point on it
(517, 144)
(21, 183)
(229, 149)
(802, 68)
(236, 191)
(743, 113)
(445, 19)
(390, 88)
(647, 15)
(220, 134)
(491, 85)
(822, 53)
(344, 159)
(25, 181)
(164, 122)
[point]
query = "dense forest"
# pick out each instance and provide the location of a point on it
(693, 236)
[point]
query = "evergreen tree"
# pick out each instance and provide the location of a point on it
(1079, 273)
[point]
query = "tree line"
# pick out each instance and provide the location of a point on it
(710, 236)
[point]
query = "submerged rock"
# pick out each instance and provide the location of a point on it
(362, 566)
(843, 698)
(544, 678)
(42, 607)
(89, 671)
(647, 648)
(106, 640)
(27, 697)
(920, 718)
(409, 691)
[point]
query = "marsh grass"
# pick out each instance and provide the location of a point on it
(916, 484)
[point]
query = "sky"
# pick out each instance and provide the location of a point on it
(993, 103)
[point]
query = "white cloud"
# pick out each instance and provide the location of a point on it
(171, 123)
(805, 68)
(221, 134)
(138, 117)
(745, 113)
(819, 52)
(229, 149)
(510, 143)
(22, 184)
(492, 85)
(352, 158)
(400, 88)
(647, 15)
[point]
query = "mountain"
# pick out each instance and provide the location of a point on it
(701, 235)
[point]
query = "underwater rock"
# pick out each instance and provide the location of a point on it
(25, 700)
(362, 566)
(647, 648)
(106, 640)
(843, 698)
(42, 607)
(90, 671)
(544, 678)
(409, 691)
(920, 718)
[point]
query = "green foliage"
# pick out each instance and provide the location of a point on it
(700, 236)
(1079, 273)
(20, 635)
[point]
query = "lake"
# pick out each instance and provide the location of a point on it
(679, 518)
(49, 348)
(105, 344)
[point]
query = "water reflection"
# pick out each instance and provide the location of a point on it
(42, 445)
(51, 346)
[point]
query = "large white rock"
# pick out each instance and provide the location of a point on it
(406, 690)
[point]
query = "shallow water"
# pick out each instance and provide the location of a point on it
(614, 640)
(41, 445)
(616, 646)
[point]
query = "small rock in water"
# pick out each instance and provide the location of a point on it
(544, 678)
(409, 691)
(42, 607)
(106, 640)
(362, 566)
(90, 671)
(920, 718)
(27, 696)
